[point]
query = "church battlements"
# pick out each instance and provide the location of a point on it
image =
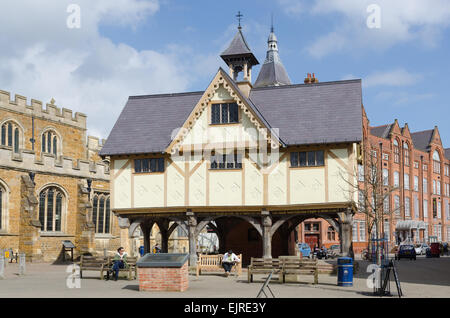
(26, 160)
(35, 108)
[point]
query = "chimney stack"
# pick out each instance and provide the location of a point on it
(311, 79)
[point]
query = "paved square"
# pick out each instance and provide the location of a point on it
(421, 278)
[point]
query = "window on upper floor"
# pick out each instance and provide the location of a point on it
(101, 213)
(447, 170)
(406, 185)
(307, 159)
(331, 234)
(149, 165)
(425, 185)
(226, 161)
(416, 164)
(396, 179)
(49, 142)
(436, 162)
(416, 183)
(385, 177)
(407, 207)
(10, 135)
(406, 152)
(227, 113)
(396, 151)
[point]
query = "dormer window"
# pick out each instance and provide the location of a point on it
(224, 113)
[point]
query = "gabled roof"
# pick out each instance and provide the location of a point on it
(328, 112)
(422, 139)
(381, 131)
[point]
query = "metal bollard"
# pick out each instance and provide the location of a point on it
(22, 266)
(2, 266)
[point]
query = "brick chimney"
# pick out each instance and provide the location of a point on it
(311, 79)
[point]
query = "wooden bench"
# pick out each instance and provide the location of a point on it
(92, 263)
(131, 261)
(297, 266)
(262, 266)
(214, 262)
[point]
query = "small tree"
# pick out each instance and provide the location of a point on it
(374, 192)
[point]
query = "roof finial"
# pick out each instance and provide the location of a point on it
(271, 23)
(239, 16)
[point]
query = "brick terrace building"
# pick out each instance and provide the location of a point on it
(418, 165)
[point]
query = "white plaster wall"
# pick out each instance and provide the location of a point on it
(278, 185)
(197, 186)
(175, 187)
(307, 185)
(148, 190)
(225, 187)
(253, 184)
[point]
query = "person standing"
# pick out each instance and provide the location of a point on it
(228, 261)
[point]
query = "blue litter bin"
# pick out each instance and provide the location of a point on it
(345, 271)
(141, 250)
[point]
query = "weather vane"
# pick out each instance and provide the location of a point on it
(239, 16)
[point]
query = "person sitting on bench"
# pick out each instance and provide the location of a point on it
(120, 261)
(229, 259)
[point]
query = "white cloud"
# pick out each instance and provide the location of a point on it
(401, 21)
(396, 78)
(82, 69)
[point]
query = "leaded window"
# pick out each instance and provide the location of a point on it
(51, 209)
(10, 136)
(49, 142)
(149, 165)
(227, 113)
(308, 159)
(226, 161)
(101, 213)
(1, 206)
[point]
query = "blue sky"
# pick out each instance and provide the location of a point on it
(134, 47)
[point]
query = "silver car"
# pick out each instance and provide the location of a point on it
(421, 249)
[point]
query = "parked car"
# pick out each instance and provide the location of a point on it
(305, 250)
(406, 251)
(421, 249)
(435, 249)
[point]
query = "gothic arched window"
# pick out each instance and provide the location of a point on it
(101, 213)
(2, 204)
(49, 142)
(10, 135)
(51, 203)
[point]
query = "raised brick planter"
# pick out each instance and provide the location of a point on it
(163, 272)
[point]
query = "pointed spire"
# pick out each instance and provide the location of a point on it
(272, 72)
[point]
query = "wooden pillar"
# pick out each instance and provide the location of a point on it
(192, 229)
(346, 220)
(266, 221)
(146, 228)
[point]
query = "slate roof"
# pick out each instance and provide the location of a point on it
(327, 112)
(422, 139)
(447, 153)
(381, 131)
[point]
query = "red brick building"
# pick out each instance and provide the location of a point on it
(417, 164)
